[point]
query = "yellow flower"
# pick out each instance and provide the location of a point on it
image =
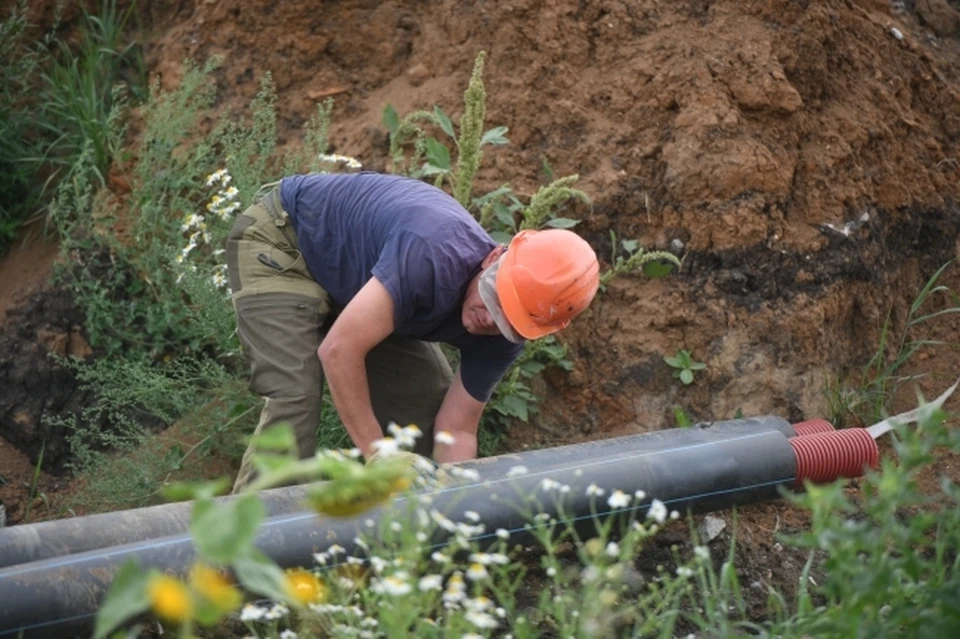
(169, 598)
(360, 488)
(305, 587)
(336, 505)
(215, 588)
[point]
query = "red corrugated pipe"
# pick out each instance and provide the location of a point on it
(823, 457)
(812, 427)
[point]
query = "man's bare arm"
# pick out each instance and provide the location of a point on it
(365, 322)
(460, 416)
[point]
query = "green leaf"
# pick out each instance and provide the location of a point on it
(429, 169)
(280, 438)
(223, 532)
(261, 576)
(562, 223)
(630, 246)
(657, 269)
(496, 136)
(738, 414)
(444, 122)
(504, 215)
(390, 119)
(697, 366)
(492, 195)
(437, 154)
(531, 368)
(554, 351)
(673, 361)
(501, 237)
(686, 376)
(547, 170)
(126, 598)
(183, 491)
(516, 406)
(268, 462)
(683, 420)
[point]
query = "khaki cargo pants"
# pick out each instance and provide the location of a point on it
(282, 316)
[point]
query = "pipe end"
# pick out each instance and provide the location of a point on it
(824, 457)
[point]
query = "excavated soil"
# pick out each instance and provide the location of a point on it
(802, 156)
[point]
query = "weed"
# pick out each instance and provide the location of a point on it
(471, 129)
(34, 482)
(681, 417)
(438, 163)
(310, 156)
(249, 149)
(58, 102)
(137, 467)
(503, 214)
(81, 90)
(891, 554)
(684, 366)
(542, 205)
(866, 399)
(651, 262)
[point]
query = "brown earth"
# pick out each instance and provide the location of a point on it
(803, 156)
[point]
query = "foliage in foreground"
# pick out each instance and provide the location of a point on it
(889, 559)
(891, 556)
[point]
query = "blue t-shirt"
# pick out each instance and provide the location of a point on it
(417, 241)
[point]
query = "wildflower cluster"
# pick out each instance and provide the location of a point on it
(346, 160)
(222, 205)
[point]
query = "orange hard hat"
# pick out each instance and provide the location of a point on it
(546, 279)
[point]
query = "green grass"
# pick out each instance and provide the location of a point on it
(57, 100)
(201, 442)
(865, 398)
(34, 482)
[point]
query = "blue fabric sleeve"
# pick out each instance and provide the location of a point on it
(483, 365)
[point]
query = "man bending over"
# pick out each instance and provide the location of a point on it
(356, 278)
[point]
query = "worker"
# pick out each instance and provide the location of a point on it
(358, 277)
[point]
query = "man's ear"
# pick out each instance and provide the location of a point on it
(493, 256)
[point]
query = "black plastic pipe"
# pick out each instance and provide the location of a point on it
(688, 469)
(33, 542)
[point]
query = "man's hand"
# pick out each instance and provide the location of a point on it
(365, 322)
(459, 415)
(425, 469)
